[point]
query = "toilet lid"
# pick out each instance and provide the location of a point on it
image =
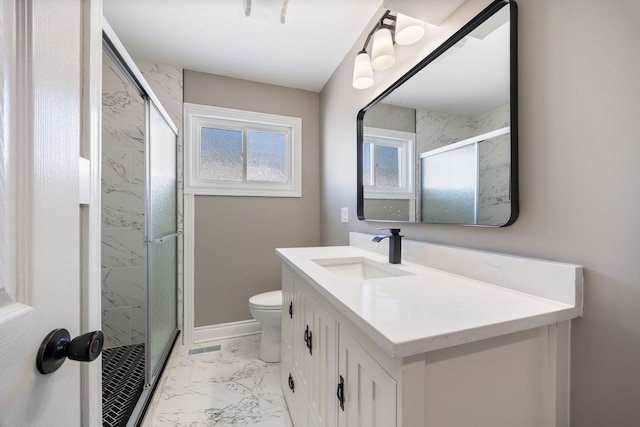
(267, 301)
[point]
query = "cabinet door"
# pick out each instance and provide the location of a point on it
(300, 332)
(296, 402)
(291, 385)
(369, 392)
(321, 364)
(286, 327)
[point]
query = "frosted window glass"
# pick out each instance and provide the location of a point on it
(221, 154)
(162, 176)
(366, 164)
(266, 156)
(449, 182)
(387, 171)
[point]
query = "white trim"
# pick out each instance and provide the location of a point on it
(91, 216)
(188, 213)
(226, 330)
(197, 116)
(14, 103)
(17, 177)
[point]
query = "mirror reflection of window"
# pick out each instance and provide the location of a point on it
(387, 167)
(387, 160)
(366, 164)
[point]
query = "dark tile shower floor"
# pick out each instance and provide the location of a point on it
(122, 382)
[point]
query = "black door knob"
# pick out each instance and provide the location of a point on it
(57, 346)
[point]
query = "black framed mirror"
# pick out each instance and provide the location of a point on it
(440, 145)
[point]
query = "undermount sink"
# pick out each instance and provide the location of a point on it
(359, 268)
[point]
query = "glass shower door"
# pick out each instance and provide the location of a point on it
(162, 240)
(450, 193)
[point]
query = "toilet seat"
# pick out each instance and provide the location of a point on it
(267, 301)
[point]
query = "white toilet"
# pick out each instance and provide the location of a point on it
(266, 308)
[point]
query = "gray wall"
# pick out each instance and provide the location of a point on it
(236, 237)
(579, 168)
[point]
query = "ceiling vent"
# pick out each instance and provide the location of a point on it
(273, 11)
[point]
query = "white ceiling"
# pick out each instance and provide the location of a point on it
(214, 36)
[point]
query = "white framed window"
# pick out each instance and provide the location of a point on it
(388, 164)
(241, 153)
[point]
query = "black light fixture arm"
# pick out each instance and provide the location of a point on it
(379, 25)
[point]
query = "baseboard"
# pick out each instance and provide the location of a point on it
(226, 330)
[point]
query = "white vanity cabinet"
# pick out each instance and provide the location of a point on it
(354, 354)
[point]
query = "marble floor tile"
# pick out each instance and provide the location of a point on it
(230, 387)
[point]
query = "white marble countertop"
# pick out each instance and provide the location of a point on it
(428, 310)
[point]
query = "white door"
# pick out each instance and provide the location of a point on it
(40, 127)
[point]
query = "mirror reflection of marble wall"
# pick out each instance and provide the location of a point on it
(494, 206)
(436, 129)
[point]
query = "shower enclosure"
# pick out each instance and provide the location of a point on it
(139, 237)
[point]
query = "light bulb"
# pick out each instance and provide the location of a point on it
(408, 30)
(382, 53)
(362, 72)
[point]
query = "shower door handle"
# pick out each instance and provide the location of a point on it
(57, 347)
(164, 238)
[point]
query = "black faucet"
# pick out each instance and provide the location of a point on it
(395, 247)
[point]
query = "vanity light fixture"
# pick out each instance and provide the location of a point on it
(389, 29)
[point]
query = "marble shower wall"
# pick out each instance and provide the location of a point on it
(123, 174)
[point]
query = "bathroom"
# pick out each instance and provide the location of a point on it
(578, 93)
